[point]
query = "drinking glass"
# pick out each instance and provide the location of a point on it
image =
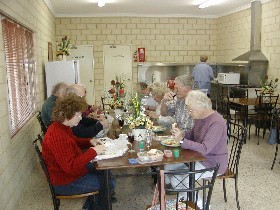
(148, 142)
(131, 140)
(121, 123)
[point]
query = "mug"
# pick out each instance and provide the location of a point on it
(122, 136)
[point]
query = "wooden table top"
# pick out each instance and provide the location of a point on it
(186, 156)
(244, 101)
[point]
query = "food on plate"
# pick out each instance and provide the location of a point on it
(152, 155)
(171, 142)
(157, 128)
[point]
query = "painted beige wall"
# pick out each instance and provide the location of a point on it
(17, 153)
(179, 40)
(271, 36)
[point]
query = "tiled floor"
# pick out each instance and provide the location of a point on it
(259, 186)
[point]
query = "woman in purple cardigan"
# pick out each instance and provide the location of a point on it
(208, 136)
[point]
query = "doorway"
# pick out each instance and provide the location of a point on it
(117, 61)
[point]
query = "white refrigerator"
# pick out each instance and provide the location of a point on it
(61, 71)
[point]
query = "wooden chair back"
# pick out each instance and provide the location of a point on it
(104, 104)
(42, 125)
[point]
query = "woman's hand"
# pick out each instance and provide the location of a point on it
(99, 149)
(95, 142)
(153, 115)
(178, 134)
(169, 96)
(105, 123)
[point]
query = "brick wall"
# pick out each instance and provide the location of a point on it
(179, 40)
(17, 153)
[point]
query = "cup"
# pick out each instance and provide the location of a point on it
(123, 136)
(141, 145)
(130, 137)
(176, 153)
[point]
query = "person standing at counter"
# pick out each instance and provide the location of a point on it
(203, 74)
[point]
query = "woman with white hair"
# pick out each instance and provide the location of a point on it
(158, 90)
(208, 136)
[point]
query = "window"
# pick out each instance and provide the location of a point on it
(20, 68)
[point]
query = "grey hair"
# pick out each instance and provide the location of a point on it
(198, 100)
(158, 88)
(59, 88)
(185, 80)
(73, 88)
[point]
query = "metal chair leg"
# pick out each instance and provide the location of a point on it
(225, 190)
(56, 203)
(236, 193)
(276, 151)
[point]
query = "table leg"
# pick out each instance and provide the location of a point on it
(107, 191)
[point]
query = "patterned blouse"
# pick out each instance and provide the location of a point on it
(177, 109)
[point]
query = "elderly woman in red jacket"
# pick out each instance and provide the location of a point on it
(70, 169)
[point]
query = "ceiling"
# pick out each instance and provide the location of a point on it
(142, 8)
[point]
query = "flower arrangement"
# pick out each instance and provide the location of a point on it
(137, 119)
(268, 86)
(64, 47)
(117, 94)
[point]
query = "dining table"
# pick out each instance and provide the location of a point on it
(244, 103)
(186, 156)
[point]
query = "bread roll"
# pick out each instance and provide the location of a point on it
(174, 125)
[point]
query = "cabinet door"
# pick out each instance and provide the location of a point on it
(117, 61)
(84, 53)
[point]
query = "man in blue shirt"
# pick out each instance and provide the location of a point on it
(203, 74)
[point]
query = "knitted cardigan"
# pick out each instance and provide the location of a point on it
(63, 155)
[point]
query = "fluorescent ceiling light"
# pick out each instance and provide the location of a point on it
(101, 3)
(208, 3)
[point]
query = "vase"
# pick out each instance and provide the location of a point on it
(139, 134)
(62, 57)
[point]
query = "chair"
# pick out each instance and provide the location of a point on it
(263, 117)
(236, 136)
(237, 111)
(55, 197)
(202, 187)
(43, 127)
(104, 104)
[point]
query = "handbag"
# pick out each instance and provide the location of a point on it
(164, 204)
(272, 138)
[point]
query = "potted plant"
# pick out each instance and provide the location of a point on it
(64, 48)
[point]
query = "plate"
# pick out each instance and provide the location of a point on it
(170, 142)
(157, 129)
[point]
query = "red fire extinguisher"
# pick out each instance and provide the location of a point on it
(141, 54)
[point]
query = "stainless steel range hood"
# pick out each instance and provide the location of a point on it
(255, 53)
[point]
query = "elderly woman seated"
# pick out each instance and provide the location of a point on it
(208, 136)
(158, 90)
(70, 169)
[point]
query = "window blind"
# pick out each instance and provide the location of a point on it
(20, 68)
